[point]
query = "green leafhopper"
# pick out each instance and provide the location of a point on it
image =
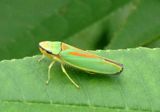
(80, 59)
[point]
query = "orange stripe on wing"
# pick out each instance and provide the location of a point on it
(64, 46)
(87, 55)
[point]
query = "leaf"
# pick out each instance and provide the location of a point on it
(116, 21)
(24, 23)
(154, 43)
(141, 27)
(23, 88)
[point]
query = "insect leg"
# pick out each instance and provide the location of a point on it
(49, 69)
(42, 57)
(64, 71)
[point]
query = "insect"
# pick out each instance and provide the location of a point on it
(75, 57)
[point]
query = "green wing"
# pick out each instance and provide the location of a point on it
(90, 62)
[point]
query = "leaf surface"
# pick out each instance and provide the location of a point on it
(136, 89)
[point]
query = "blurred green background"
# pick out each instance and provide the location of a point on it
(87, 24)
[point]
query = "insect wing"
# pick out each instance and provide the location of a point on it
(89, 62)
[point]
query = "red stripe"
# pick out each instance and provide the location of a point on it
(83, 55)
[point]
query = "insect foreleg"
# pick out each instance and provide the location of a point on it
(49, 70)
(41, 58)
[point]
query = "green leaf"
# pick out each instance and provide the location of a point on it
(24, 23)
(140, 28)
(116, 21)
(154, 43)
(23, 88)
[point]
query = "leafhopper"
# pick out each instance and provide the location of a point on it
(80, 59)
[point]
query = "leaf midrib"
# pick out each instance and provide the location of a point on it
(73, 105)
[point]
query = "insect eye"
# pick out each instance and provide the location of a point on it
(48, 52)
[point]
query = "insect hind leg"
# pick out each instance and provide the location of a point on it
(64, 71)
